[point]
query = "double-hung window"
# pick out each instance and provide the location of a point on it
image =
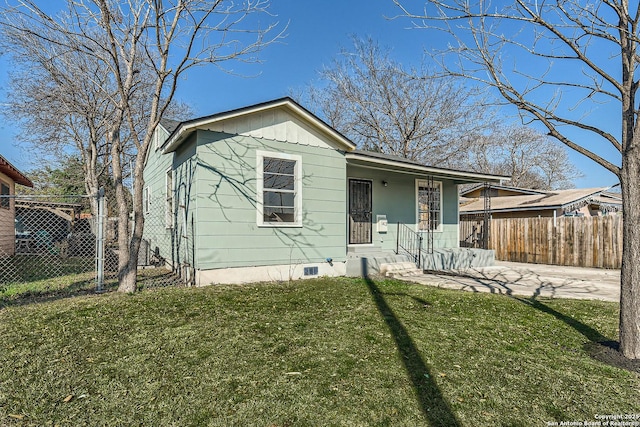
(279, 189)
(429, 205)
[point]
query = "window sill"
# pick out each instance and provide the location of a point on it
(280, 225)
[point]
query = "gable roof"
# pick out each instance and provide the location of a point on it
(186, 128)
(12, 172)
(382, 161)
(169, 125)
(180, 131)
(559, 199)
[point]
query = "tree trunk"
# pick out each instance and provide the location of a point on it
(128, 260)
(630, 273)
(126, 277)
(126, 272)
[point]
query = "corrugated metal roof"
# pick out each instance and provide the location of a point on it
(524, 191)
(553, 200)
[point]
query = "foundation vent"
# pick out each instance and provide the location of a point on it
(311, 271)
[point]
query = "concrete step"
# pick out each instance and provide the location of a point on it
(364, 263)
(365, 250)
(399, 269)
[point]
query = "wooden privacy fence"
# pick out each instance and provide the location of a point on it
(572, 241)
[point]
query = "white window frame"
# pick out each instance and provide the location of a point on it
(297, 201)
(169, 199)
(147, 200)
(437, 184)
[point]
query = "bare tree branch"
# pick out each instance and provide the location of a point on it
(144, 47)
(383, 107)
(587, 53)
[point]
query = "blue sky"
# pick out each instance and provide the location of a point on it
(316, 32)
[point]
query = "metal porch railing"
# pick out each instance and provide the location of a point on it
(409, 242)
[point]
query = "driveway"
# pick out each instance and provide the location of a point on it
(531, 280)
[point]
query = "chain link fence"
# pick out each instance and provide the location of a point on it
(53, 244)
(153, 271)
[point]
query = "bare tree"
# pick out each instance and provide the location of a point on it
(560, 64)
(530, 158)
(56, 97)
(49, 78)
(171, 36)
(382, 107)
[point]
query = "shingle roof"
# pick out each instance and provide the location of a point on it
(169, 124)
(12, 172)
(553, 200)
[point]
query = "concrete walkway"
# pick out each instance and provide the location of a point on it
(531, 280)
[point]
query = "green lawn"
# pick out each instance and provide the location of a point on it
(311, 353)
(39, 267)
(73, 285)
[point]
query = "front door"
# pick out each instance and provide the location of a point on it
(359, 211)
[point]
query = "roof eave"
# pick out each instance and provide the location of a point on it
(524, 191)
(500, 210)
(12, 172)
(424, 170)
(532, 208)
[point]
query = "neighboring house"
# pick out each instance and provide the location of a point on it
(43, 226)
(512, 202)
(9, 177)
(271, 192)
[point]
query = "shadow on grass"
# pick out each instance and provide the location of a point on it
(598, 347)
(157, 279)
(36, 267)
(50, 290)
(500, 283)
(35, 296)
(47, 292)
(433, 404)
(584, 329)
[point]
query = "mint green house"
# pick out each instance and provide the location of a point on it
(271, 192)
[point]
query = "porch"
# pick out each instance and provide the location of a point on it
(362, 261)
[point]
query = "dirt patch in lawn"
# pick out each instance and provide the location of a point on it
(609, 352)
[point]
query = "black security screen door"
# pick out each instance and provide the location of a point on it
(359, 211)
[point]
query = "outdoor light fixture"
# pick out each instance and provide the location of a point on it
(385, 183)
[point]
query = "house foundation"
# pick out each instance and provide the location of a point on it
(458, 259)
